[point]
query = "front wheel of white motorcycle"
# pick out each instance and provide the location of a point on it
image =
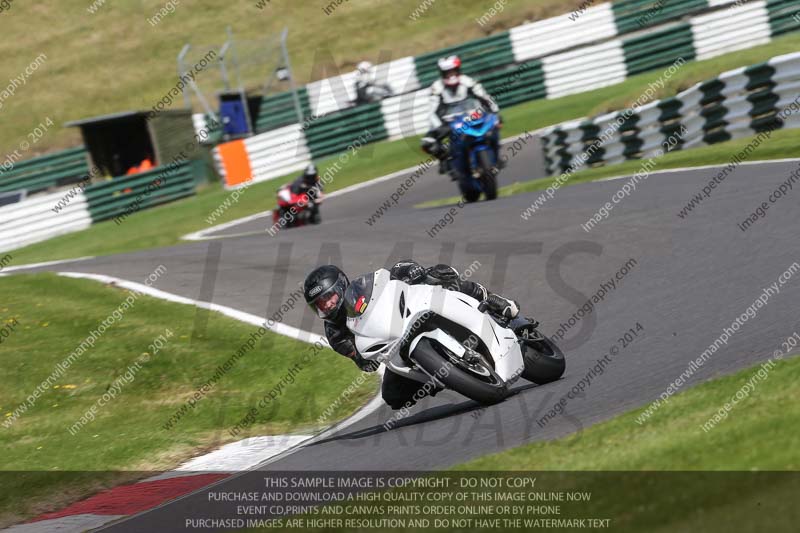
(544, 360)
(475, 380)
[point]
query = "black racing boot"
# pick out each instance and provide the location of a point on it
(499, 306)
(444, 165)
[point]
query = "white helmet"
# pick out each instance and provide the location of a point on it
(364, 67)
(450, 70)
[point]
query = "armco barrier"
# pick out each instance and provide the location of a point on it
(476, 56)
(545, 37)
(584, 69)
(279, 110)
(263, 157)
(534, 40)
(126, 195)
(738, 103)
(33, 220)
(334, 133)
(44, 172)
(783, 16)
(658, 49)
(634, 15)
(406, 115)
(735, 28)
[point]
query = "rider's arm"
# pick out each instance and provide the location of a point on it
(297, 186)
(342, 341)
(445, 276)
(435, 104)
(480, 93)
(448, 277)
(340, 338)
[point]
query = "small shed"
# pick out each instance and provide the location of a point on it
(119, 142)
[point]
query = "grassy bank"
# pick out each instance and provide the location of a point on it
(754, 436)
(50, 317)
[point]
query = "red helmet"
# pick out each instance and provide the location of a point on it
(450, 70)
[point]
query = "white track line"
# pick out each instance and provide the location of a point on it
(702, 167)
(47, 263)
(278, 327)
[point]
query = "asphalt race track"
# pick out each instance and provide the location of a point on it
(692, 277)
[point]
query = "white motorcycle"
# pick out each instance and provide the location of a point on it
(431, 334)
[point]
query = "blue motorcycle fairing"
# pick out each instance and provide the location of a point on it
(471, 136)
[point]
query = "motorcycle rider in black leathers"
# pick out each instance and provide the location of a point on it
(309, 183)
(453, 87)
(324, 291)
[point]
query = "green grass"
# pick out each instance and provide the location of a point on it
(667, 474)
(163, 226)
(754, 436)
(114, 60)
(127, 438)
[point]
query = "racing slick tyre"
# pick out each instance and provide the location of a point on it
(475, 381)
(472, 196)
(544, 360)
(468, 190)
(488, 174)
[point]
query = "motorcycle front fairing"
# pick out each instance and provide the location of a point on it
(468, 136)
(394, 314)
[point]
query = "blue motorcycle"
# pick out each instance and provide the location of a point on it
(473, 136)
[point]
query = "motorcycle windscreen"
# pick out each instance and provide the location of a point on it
(358, 295)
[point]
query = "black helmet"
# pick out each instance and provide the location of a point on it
(310, 171)
(310, 175)
(324, 290)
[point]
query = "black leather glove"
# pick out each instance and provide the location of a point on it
(365, 365)
(408, 271)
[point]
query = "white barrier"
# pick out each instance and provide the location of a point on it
(33, 220)
(277, 152)
(337, 93)
(735, 28)
(407, 115)
(584, 69)
(538, 39)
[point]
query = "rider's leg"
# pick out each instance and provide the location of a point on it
(449, 278)
(314, 217)
(495, 140)
(433, 144)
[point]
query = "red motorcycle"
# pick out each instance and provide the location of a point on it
(296, 209)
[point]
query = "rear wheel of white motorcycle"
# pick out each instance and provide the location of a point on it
(488, 175)
(475, 381)
(544, 360)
